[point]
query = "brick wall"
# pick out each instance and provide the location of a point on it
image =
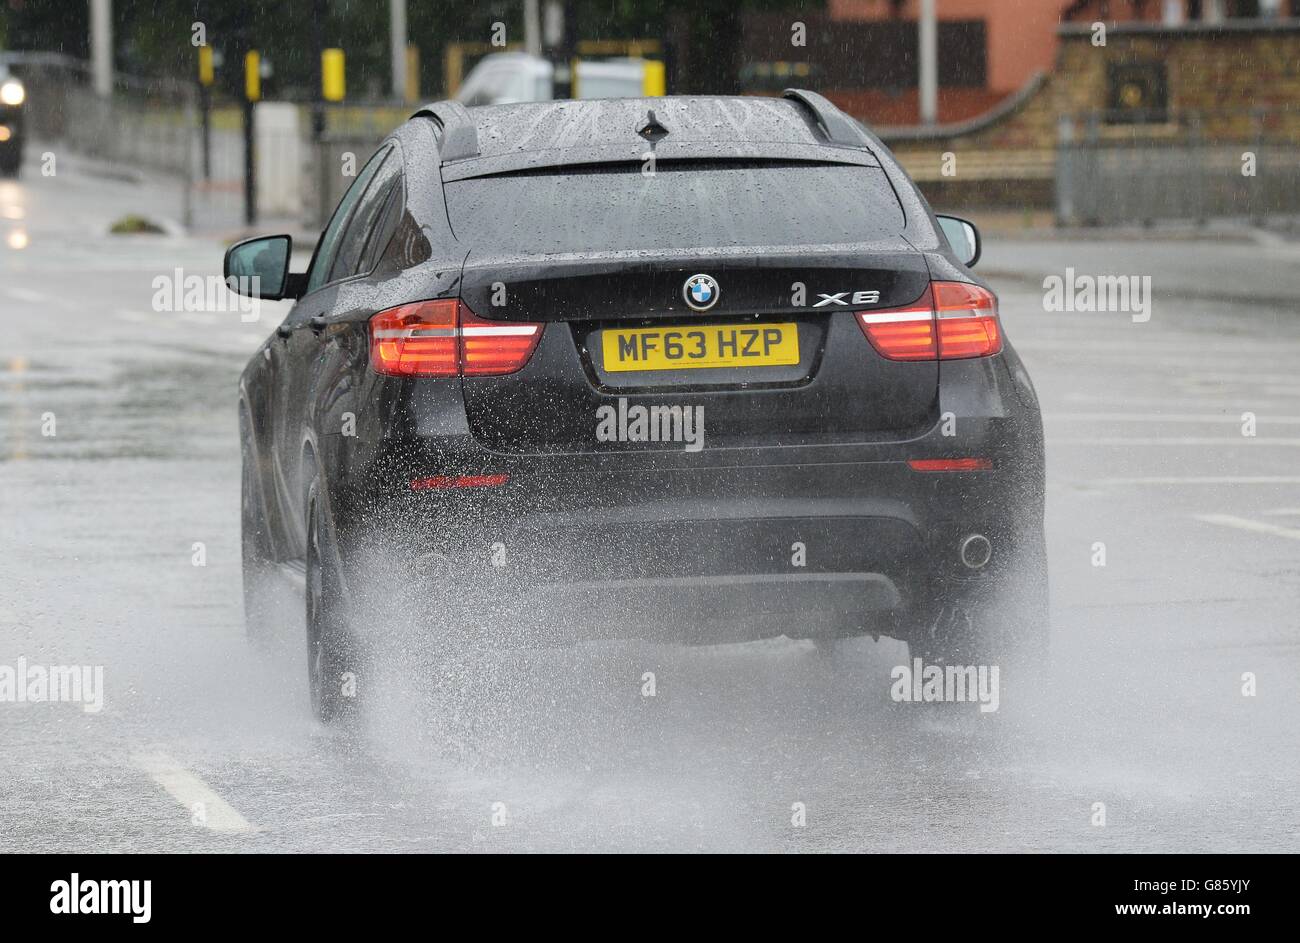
(1241, 78)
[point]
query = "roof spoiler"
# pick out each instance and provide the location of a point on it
(838, 127)
(459, 133)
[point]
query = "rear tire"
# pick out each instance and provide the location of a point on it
(332, 663)
(255, 543)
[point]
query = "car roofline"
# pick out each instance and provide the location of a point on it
(458, 139)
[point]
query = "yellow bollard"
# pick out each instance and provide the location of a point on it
(332, 86)
(253, 76)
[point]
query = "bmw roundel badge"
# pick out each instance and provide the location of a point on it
(701, 292)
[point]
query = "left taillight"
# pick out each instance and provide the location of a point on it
(416, 340)
(445, 338)
(951, 321)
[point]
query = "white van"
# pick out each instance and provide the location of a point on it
(505, 77)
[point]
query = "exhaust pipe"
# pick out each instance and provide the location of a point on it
(976, 551)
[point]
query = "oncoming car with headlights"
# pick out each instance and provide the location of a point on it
(691, 368)
(12, 98)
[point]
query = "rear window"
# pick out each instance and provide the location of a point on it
(680, 206)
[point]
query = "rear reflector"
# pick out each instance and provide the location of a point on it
(950, 464)
(951, 321)
(445, 339)
(458, 481)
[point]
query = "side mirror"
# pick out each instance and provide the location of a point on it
(963, 237)
(259, 268)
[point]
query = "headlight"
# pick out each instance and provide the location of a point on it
(12, 93)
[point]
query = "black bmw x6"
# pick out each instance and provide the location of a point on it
(703, 369)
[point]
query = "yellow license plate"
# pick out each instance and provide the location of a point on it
(703, 345)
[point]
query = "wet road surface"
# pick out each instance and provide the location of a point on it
(205, 744)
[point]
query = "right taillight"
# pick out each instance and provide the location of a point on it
(951, 321)
(905, 333)
(445, 338)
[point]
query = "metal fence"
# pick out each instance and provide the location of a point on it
(1190, 166)
(144, 124)
(152, 128)
(1184, 165)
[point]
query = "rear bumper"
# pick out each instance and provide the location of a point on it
(697, 578)
(702, 555)
(802, 539)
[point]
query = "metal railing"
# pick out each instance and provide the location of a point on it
(143, 124)
(152, 127)
(1187, 165)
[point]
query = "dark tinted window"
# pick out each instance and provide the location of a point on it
(328, 246)
(362, 224)
(384, 228)
(681, 206)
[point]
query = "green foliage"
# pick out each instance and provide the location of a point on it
(133, 224)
